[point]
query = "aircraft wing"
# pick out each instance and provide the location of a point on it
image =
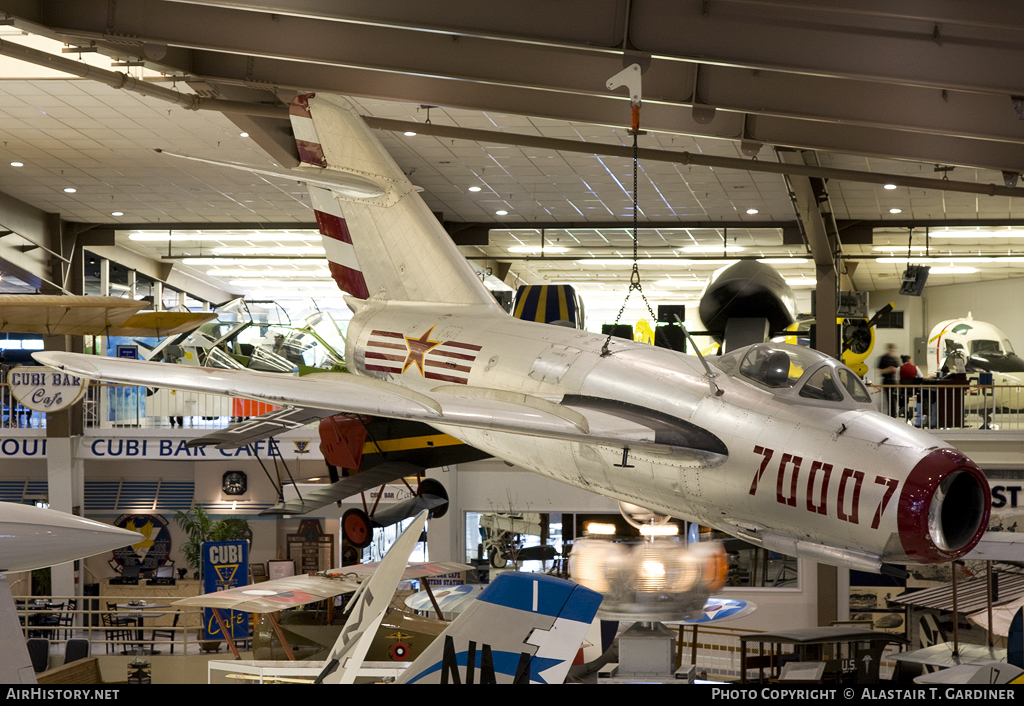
(344, 488)
(999, 546)
(272, 596)
(412, 571)
(91, 315)
(581, 419)
(256, 428)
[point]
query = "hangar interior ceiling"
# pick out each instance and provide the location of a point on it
(907, 89)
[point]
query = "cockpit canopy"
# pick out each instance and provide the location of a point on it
(787, 369)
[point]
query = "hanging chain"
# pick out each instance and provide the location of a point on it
(634, 278)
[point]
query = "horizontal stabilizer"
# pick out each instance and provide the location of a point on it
(999, 546)
(261, 427)
(351, 185)
(610, 425)
(524, 628)
(345, 488)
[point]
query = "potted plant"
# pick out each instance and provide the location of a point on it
(200, 527)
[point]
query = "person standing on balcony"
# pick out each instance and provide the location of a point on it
(889, 367)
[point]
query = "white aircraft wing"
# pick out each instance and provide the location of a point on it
(576, 418)
(999, 546)
(291, 591)
(272, 596)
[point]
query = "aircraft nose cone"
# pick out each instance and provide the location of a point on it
(944, 507)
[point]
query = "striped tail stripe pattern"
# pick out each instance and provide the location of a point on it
(394, 352)
(341, 255)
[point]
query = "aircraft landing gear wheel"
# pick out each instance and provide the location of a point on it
(498, 560)
(355, 527)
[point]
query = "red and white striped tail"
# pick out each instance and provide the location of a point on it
(386, 245)
(341, 255)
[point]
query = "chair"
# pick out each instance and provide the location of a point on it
(39, 652)
(117, 628)
(47, 622)
(167, 633)
(66, 620)
(76, 649)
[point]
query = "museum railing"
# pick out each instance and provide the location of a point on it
(932, 404)
(938, 404)
(115, 625)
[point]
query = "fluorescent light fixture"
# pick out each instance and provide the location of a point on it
(17, 164)
(243, 134)
(409, 133)
(889, 187)
(278, 273)
(600, 528)
(941, 259)
(251, 262)
(628, 261)
(658, 531)
(501, 213)
(713, 248)
(976, 235)
(537, 249)
(69, 190)
(802, 282)
(474, 189)
(194, 237)
(117, 214)
(895, 210)
(783, 260)
(270, 251)
(751, 211)
(680, 283)
(283, 283)
(953, 270)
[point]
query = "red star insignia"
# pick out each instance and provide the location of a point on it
(418, 347)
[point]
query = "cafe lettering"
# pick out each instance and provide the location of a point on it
(45, 389)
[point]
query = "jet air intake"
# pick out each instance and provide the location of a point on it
(944, 507)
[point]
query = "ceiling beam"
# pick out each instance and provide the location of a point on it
(801, 74)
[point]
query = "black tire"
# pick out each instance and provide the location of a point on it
(356, 528)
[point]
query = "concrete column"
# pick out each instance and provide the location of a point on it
(65, 475)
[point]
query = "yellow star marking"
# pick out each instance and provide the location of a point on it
(418, 347)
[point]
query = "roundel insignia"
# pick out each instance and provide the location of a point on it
(399, 651)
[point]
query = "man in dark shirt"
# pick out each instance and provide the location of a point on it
(889, 367)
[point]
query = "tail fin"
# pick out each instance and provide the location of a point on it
(388, 247)
(524, 628)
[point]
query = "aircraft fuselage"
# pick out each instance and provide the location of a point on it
(840, 484)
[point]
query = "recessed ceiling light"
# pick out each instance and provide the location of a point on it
(751, 211)
(116, 213)
(890, 187)
(69, 190)
(501, 213)
(895, 210)
(474, 189)
(409, 133)
(17, 164)
(243, 134)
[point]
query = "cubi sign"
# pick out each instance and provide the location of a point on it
(45, 389)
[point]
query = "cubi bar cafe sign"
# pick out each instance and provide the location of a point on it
(45, 389)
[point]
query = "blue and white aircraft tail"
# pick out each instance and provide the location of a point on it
(523, 629)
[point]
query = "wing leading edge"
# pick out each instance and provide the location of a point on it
(577, 419)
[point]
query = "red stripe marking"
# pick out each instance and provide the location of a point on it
(300, 105)
(449, 354)
(467, 346)
(349, 280)
(389, 334)
(383, 369)
(384, 356)
(333, 227)
(311, 153)
(385, 344)
(445, 378)
(448, 366)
